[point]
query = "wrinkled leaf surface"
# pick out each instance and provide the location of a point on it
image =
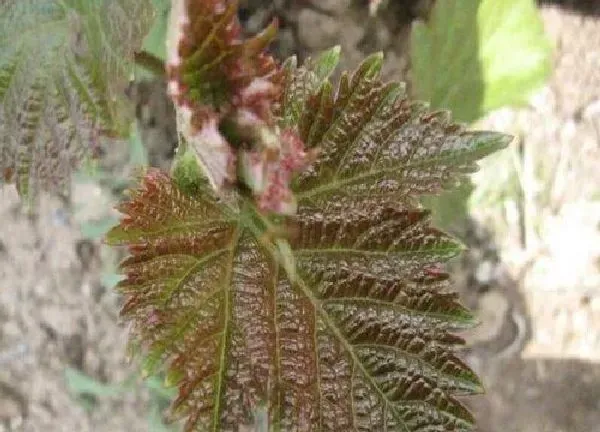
(346, 322)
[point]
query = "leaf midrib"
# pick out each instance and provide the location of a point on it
(226, 330)
(348, 347)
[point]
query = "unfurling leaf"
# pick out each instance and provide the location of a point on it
(214, 76)
(345, 321)
(208, 62)
(473, 56)
(63, 68)
(225, 90)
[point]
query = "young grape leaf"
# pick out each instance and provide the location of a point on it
(348, 323)
(360, 340)
(63, 69)
(225, 89)
(375, 144)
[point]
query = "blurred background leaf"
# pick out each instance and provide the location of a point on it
(87, 389)
(93, 230)
(474, 56)
(471, 57)
(154, 42)
(138, 155)
(63, 69)
(110, 280)
(81, 384)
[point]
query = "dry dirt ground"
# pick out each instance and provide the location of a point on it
(532, 273)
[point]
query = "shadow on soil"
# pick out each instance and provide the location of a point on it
(539, 395)
(522, 395)
(584, 7)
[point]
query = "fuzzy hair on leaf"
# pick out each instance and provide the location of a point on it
(348, 322)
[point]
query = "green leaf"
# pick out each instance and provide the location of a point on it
(159, 390)
(324, 65)
(63, 68)
(82, 384)
(187, 172)
(155, 41)
(138, 155)
(474, 56)
(96, 229)
(345, 322)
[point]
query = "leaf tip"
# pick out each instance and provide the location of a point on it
(114, 235)
(337, 49)
(503, 140)
(377, 58)
(372, 65)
